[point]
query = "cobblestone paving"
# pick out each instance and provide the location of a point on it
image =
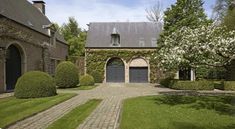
(105, 116)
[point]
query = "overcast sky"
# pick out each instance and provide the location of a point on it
(86, 11)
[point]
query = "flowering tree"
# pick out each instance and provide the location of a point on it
(204, 46)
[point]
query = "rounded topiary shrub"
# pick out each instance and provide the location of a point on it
(98, 77)
(35, 84)
(87, 80)
(66, 75)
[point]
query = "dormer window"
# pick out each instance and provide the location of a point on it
(51, 29)
(154, 42)
(141, 42)
(115, 38)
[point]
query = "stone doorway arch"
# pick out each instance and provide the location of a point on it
(138, 71)
(115, 70)
(13, 65)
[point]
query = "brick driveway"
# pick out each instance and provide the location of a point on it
(105, 116)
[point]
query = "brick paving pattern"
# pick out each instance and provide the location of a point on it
(105, 116)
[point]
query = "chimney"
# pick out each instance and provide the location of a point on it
(40, 4)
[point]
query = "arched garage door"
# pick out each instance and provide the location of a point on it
(115, 70)
(138, 71)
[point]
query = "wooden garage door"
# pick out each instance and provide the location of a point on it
(138, 74)
(115, 71)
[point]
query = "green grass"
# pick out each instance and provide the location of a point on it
(80, 88)
(76, 116)
(86, 87)
(178, 112)
(13, 110)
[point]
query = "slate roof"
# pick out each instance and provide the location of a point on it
(23, 12)
(132, 34)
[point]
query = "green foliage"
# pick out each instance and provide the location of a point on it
(35, 84)
(216, 73)
(193, 85)
(219, 85)
(229, 19)
(96, 60)
(75, 117)
(75, 37)
(13, 109)
(66, 75)
(178, 112)
(229, 85)
(189, 13)
(98, 77)
(87, 80)
(71, 29)
(167, 82)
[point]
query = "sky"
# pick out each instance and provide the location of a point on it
(86, 11)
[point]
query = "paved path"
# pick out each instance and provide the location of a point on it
(5, 95)
(105, 116)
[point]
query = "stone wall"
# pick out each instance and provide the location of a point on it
(35, 49)
(96, 60)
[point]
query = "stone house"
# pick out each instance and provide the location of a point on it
(122, 51)
(125, 52)
(28, 41)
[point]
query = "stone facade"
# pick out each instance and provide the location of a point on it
(131, 58)
(36, 50)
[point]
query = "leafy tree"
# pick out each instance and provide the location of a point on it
(189, 13)
(75, 37)
(71, 29)
(229, 19)
(203, 46)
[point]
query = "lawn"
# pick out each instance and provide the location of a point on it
(13, 110)
(76, 116)
(178, 112)
(81, 88)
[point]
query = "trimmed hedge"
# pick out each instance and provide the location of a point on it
(35, 84)
(87, 80)
(66, 75)
(229, 85)
(167, 82)
(98, 77)
(193, 85)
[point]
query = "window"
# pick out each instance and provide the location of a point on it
(141, 42)
(115, 39)
(53, 37)
(52, 67)
(154, 42)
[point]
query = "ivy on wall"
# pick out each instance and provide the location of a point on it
(96, 60)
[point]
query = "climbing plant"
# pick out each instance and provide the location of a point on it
(96, 60)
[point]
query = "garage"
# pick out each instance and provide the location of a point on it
(115, 71)
(138, 74)
(138, 71)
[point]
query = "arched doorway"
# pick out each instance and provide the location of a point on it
(13, 67)
(138, 71)
(115, 70)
